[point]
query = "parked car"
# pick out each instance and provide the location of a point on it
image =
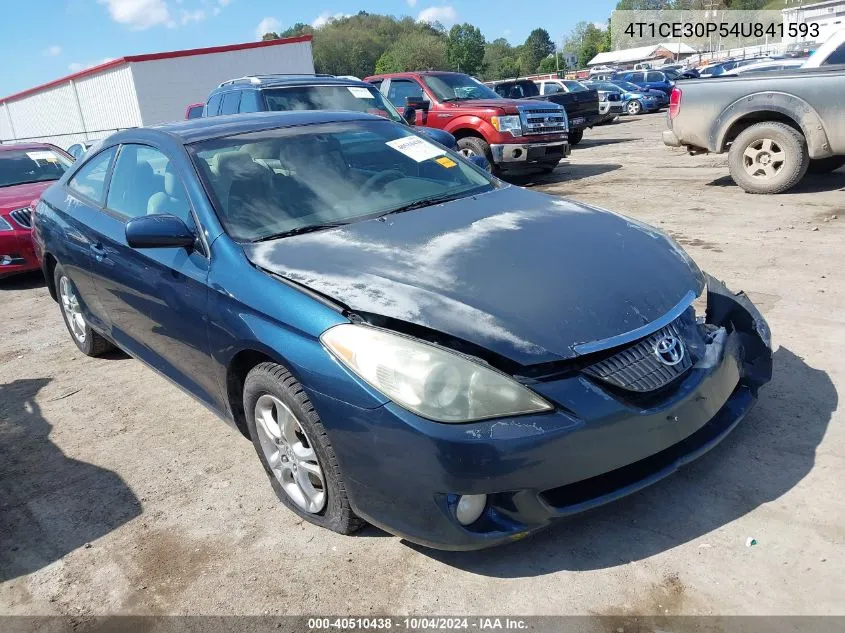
(25, 171)
(194, 111)
(830, 53)
(660, 97)
(78, 149)
(400, 335)
(718, 70)
(634, 103)
(771, 65)
(511, 134)
(270, 93)
(581, 104)
(774, 126)
(650, 79)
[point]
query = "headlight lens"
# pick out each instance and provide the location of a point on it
(432, 382)
(508, 123)
(700, 305)
(4, 225)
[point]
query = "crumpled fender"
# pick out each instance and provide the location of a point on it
(736, 313)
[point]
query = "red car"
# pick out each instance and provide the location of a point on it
(25, 171)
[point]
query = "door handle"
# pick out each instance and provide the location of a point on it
(99, 251)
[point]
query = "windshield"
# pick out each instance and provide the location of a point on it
(18, 167)
(354, 98)
(605, 87)
(628, 86)
(282, 181)
(671, 73)
(457, 87)
(574, 86)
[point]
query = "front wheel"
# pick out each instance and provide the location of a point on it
(768, 158)
(575, 136)
(294, 449)
(826, 165)
(634, 107)
(87, 340)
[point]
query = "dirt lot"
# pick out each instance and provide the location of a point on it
(119, 494)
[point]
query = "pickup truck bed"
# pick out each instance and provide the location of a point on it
(774, 126)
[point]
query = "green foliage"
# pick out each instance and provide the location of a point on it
(500, 60)
(537, 46)
(548, 65)
(414, 51)
(465, 48)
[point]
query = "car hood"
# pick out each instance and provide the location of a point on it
(18, 196)
(506, 104)
(524, 275)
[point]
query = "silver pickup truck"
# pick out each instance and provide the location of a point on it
(774, 126)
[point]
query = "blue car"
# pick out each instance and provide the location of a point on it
(648, 79)
(634, 102)
(399, 334)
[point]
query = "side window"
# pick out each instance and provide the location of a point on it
(144, 182)
(653, 76)
(550, 88)
(213, 105)
(836, 57)
(401, 89)
(251, 101)
(231, 101)
(90, 180)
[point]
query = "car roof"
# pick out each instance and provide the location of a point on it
(204, 128)
(20, 146)
(276, 81)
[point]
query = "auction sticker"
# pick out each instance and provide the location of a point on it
(445, 161)
(415, 148)
(361, 93)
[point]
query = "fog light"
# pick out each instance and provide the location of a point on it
(5, 260)
(516, 153)
(469, 508)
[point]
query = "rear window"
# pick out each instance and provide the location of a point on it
(837, 57)
(195, 112)
(353, 98)
(231, 101)
(213, 105)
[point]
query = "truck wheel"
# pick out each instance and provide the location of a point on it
(826, 165)
(634, 107)
(768, 157)
(294, 449)
(473, 146)
(575, 136)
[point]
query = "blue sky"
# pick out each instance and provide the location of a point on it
(41, 40)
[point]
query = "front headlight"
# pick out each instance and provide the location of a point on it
(4, 225)
(427, 380)
(700, 305)
(510, 123)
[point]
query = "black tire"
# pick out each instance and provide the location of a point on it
(87, 340)
(825, 165)
(274, 380)
(634, 107)
(470, 145)
(575, 136)
(753, 161)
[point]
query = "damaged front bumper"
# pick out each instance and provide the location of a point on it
(405, 472)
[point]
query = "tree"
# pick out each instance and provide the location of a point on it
(499, 57)
(537, 46)
(586, 41)
(465, 48)
(414, 51)
(548, 64)
(270, 36)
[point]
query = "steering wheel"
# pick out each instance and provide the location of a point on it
(381, 180)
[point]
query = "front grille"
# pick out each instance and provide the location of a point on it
(23, 217)
(543, 120)
(638, 368)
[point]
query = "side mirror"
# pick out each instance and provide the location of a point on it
(410, 115)
(480, 161)
(159, 231)
(418, 103)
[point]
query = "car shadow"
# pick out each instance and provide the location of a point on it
(811, 183)
(23, 281)
(598, 142)
(50, 504)
(565, 171)
(770, 451)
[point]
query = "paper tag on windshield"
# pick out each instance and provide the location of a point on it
(415, 148)
(42, 155)
(361, 93)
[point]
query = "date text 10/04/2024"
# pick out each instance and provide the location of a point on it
(720, 29)
(417, 623)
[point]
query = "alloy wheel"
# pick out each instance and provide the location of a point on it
(763, 158)
(72, 310)
(466, 151)
(290, 454)
(634, 107)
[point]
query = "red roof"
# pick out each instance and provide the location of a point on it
(189, 52)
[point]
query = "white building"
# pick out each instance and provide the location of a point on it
(139, 90)
(630, 56)
(829, 15)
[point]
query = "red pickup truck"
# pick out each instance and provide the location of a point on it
(511, 134)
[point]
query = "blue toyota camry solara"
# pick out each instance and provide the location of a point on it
(406, 340)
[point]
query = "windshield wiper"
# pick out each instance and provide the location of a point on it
(299, 231)
(426, 202)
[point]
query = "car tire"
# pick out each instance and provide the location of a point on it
(575, 136)
(318, 495)
(825, 165)
(768, 158)
(634, 107)
(87, 340)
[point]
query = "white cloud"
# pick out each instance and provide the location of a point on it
(326, 17)
(139, 14)
(446, 15)
(412, 3)
(192, 16)
(52, 51)
(267, 25)
(224, 3)
(76, 66)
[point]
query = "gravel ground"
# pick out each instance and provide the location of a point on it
(119, 494)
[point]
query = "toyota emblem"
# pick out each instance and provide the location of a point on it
(669, 350)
